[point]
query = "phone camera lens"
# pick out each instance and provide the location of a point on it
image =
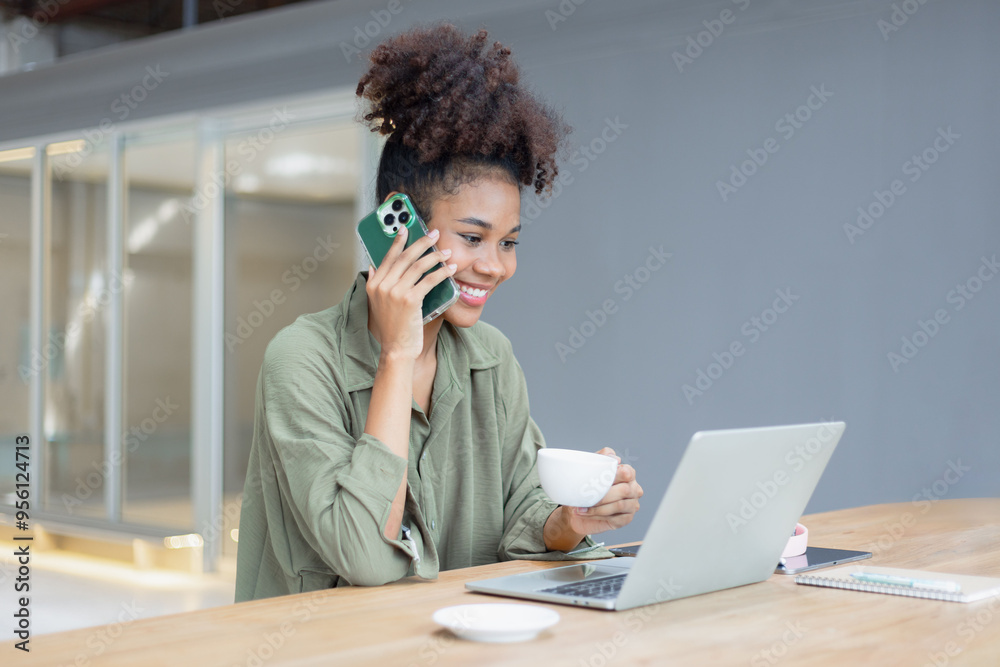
(404, 217)
(396, 205)
(389, 219)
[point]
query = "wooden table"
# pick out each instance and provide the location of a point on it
(770, 623)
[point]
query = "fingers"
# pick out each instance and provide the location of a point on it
(432, 279)
(422, 266)
(629, 505)
(400, 258)
(623, 496)
(616, 509)
(607, 451)
(398, 244)
(626, 473)
(413, 253)
(402, 268)
(602, 524)
(587, 524)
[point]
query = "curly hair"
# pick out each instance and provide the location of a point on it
(455, 112)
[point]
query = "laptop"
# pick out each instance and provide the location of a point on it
(727, 514)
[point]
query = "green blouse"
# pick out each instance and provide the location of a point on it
(318, 488)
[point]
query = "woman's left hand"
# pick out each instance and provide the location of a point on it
(615, 509)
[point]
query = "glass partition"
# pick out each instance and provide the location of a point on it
(159, 175)
(15, 290)
(73, 353)
(290, 250)
(117, 298)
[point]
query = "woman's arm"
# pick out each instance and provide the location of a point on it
(318, 489)
(389, 421)
(394, 318)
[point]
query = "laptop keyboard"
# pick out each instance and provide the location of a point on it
(599, 589)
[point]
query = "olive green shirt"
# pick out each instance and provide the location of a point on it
(319, 490)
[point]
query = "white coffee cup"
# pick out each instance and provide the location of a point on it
(575, 479)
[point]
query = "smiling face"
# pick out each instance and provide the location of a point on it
(480, 224)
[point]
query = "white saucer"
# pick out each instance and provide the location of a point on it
(496, 622)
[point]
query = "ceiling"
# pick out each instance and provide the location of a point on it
(79, 26)
(142, 17)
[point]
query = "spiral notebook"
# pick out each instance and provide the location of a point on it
(971, 588)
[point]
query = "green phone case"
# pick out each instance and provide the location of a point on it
(376, 237)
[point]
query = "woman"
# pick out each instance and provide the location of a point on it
(384, 447)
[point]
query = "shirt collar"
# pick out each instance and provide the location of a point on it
(360, 350)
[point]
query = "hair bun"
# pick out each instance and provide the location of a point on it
(444, 93)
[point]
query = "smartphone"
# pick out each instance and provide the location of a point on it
(817, 557)
(813, 559)
(632, 550)
(378, 230)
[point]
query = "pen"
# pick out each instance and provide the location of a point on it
(578, 551)
(892, 580)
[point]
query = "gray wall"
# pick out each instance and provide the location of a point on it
(656, 185)
(826, 357)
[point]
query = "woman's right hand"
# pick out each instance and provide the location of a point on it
(395, 297)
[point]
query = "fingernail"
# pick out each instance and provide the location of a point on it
(581, 510)
(446, 252)
(453, 266)
(402, 231)
(434, 234)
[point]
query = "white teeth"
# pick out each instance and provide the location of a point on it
(472, 291)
